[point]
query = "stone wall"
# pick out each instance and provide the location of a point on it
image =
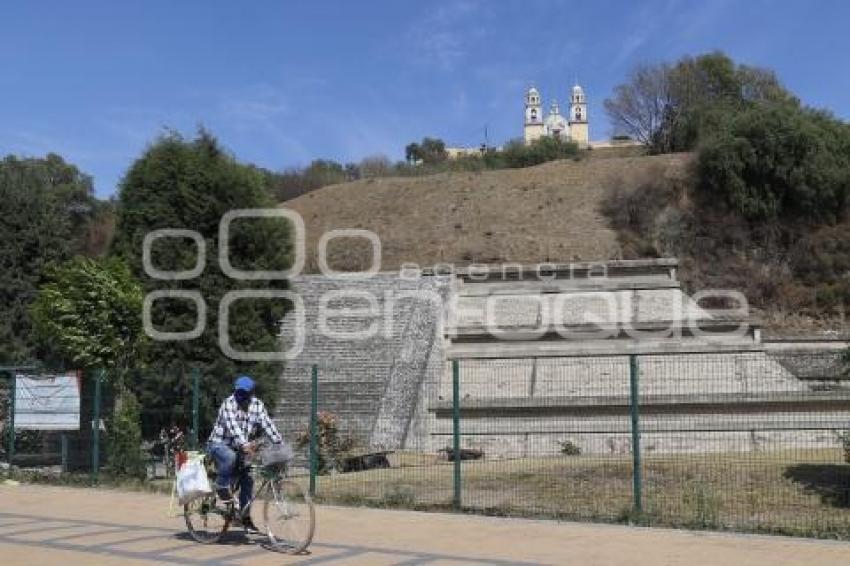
(826, 366)
(742, 401)
(602, 376)
(393, 389)
(532, 436)
(570, 308)
(371, 383)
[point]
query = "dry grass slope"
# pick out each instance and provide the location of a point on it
(550, 212)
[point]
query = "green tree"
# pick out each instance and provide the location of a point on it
(48, 211)
(90, 311)
(412, 153)
(432, 151)
(191, 184)
(776, 160)
(674, 107)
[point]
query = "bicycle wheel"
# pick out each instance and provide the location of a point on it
(288, 515)
(206, 520)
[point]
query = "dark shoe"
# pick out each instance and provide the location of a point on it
(249, 526)
(224, 495)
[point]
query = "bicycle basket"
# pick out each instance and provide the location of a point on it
(276, 455)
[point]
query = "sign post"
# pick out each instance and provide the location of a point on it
(12, 393)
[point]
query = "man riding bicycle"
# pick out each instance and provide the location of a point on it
(239, 416)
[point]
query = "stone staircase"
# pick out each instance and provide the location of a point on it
(372, 385)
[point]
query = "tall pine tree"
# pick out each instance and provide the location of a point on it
(191, 184)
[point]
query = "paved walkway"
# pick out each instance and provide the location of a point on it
(51, 525)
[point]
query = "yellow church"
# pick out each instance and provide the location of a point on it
(572, 127)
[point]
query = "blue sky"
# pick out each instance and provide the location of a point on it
(281, 83)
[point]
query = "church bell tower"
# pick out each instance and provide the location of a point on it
(578, 117)
(534, 127)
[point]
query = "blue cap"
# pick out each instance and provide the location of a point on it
(244, 383)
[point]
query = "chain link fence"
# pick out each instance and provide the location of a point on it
(731, 441)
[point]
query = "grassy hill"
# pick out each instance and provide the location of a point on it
(551, 212)
(795, 275)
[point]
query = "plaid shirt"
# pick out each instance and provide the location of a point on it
(234, 426)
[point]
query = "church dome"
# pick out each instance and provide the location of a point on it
(556, 124)
(578, 90)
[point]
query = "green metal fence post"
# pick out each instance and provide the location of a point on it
(196, 402)
(637, 476)
(314, 428)
(456, 431)
(64, 452)
(95, 433)
(11, 450)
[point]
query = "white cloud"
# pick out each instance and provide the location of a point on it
(255, 103)
(445, 36)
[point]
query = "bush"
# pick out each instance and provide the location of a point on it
(778, 160)
(375, 166)
(646, 214)
(517, 154)
(569, 448)
(28, 441)
(331, 445)
(124, 438)
(427, 158)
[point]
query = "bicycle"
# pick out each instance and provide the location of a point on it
(289, 517)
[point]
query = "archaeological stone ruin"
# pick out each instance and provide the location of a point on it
(544, 359)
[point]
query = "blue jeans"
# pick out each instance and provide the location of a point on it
(225, 460)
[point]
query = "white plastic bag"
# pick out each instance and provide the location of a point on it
(192, 481)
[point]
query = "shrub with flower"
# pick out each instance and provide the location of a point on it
(331, 446)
